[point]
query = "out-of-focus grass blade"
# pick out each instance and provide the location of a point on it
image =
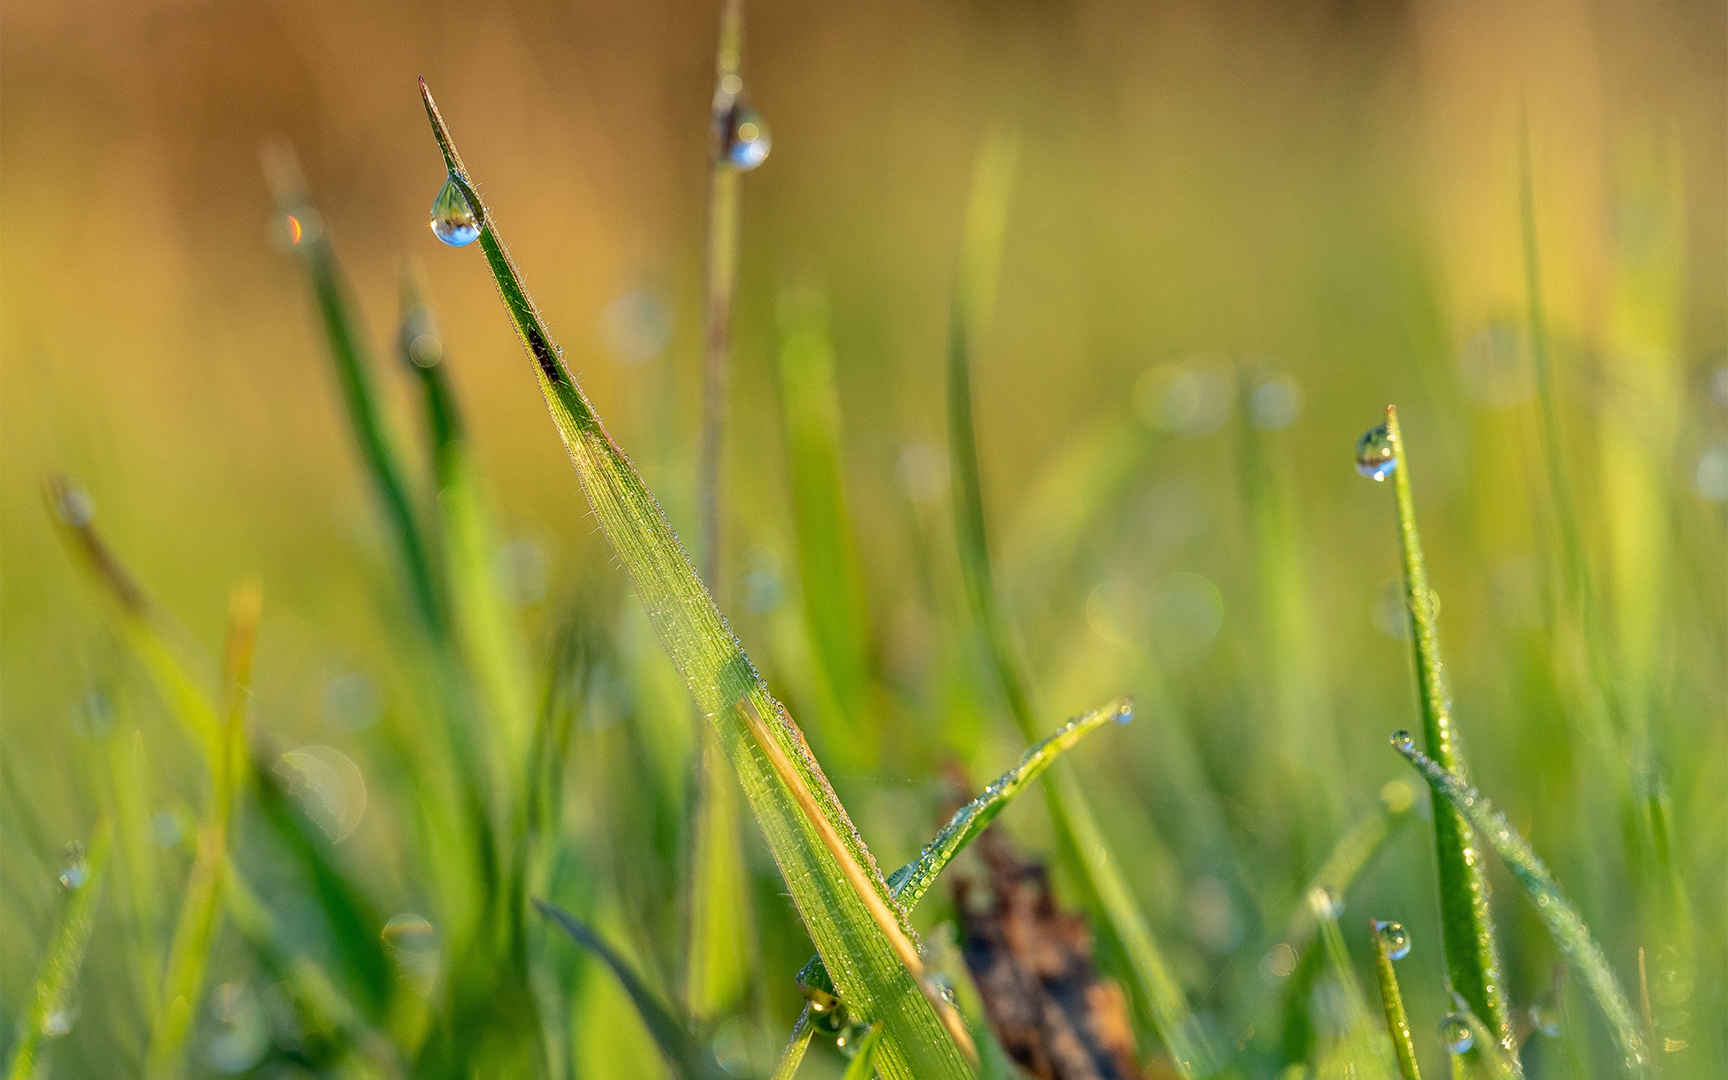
(1564, 922)
(200, 911)
(835, 611)
(1467, 923)
(1392, 1000)
(719, 675)
(57, 977)
(485, 629)
(862, 1065)
(1156, 989)
(685, 1052)
(912, 881)
(141, 893)
(353, 370)
(722, 960)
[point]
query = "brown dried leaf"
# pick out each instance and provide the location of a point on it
(1050, 1009)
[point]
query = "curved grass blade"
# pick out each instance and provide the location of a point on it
(862, 1065)
(57, 978)
(719, 674)
(1564, 922)
(1466, 920)
(912, 881)
(1155, 985)
(353, 371)
(1392, 1000)
(685, 1052)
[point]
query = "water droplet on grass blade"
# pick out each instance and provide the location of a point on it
(1375, 456)
(1545, 1019)
(453, 219)
(58, 1023)
(1394, 938)
(742, 135)
(76, 871)
(1402, 740)
(1455, 1034)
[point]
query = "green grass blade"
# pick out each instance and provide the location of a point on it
(1155, 986)
(1500, 1063)
(686, 1053)
(911, 882)
(1563, 921)
(57, 978)
(797, 1045)
(831, 583)
(862, 1065)
(201, 910)
(875, 981)
(141, 893)
(1392, 1000)
(721, 969)
(353, 371)
(1467, 923)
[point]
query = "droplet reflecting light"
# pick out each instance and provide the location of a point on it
(1455, 1034)
(1376, 458)
(1393, 938)
(453, 219)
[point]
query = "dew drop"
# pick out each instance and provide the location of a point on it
(453, 219)
(847, 1041)
(412, 943)
(76, 871)
(1375, 457)
(58, 1023)
(1545, 1019)
(1710, 477)
(744, 138)
(1393, 938)
(1455, 1034)
(1402, 740)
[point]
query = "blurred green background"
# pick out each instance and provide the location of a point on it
(1235, 232)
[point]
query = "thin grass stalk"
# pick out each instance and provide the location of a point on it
(1564, 923)
(721, 931)
(1155, 985)
(1467, 921)
(718, 673)
(1392, 1001)
(57, 977)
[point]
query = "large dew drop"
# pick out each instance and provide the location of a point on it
(1455, 1034)
(453, 219)
(1375, 456)
(1393, 938)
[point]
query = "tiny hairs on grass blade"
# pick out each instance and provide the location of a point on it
(1564, 922)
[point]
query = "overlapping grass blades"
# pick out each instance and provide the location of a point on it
(720, 675)
(1467, 923)
(1563, 921)
(1155, 987)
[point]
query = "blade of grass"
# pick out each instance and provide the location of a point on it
(862, 1065)
(353, 371)
(682, 1049)
(1467, 923)
(1156, 989)
(797, 1045)
(911, 882)
(200, 912)
(1501, 1065)
(142, 891)
(718, 673)
(1563, 921)
(57, 978)
(1392, 1000)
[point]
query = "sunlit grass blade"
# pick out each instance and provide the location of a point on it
(200, 911)
(1563, 921)
(1156, 989)
(1392, 1001)
(57, 975)
(862, 1065)
(1467, 923)
(682, 1049)
(354, 378)
(875, 981)
(911, 882)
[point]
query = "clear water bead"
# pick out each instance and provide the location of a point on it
(76, 871)
(1402, 740)
(744, 138)
(1375, 457)
(453, 219)
(1393, 938)
(1545, 1019)
(1455, 1034)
